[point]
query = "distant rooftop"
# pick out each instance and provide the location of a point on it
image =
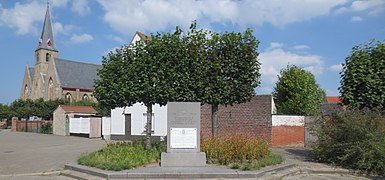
(78, 109)
(333, 99)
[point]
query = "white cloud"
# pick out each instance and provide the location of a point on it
(336, 67)
(373, 7)
(81, 7)
(274, 59)
(59, 28)
(275, 45)
(356, 19)
(23, 17)
(117, 38)
(27, 17)
(81, 38)
(154, 15)
(301, 47)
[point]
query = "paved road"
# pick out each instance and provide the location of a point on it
(30, 153)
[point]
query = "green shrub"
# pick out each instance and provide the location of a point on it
(353, 139)
(123, 155)
(46, 127)
(226, 150)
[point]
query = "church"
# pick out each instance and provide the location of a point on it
(56, 78)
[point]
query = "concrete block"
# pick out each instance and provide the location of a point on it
(183, 159)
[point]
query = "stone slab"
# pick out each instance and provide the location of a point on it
(183, 159)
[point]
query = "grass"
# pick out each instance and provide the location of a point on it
(238, 152)
(123, 155)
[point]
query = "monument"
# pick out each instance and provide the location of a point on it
(183, 136)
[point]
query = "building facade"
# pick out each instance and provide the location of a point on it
(56, 78)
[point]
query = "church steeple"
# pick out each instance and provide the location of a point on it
(46, 40)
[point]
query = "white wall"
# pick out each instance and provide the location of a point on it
(138, 120)
(287, 120)
(106, 127)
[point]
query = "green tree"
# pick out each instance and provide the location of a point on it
(5, 112)
(296, 92)
(363, 76)
(232, 71)
(190, 66)
(135, 74)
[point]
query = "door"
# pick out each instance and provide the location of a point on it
(127, 127)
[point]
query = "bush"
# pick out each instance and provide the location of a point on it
(226, 150)
(46, 127)
(353, 139)
(123, 155)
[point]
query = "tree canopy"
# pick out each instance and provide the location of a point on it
(296, 92)
(196, 65)
(363, 76)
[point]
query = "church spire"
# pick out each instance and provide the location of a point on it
(46, 40)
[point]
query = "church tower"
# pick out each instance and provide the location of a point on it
(45, 52)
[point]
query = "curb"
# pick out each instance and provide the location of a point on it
(174, 173)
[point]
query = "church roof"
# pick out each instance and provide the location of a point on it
(31, 72)
(74, 74)
(46, 40)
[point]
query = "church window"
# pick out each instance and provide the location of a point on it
(37, 57)
(50, 89)
(85, 97)
(68, 97)
(47, 57)
(26, 90)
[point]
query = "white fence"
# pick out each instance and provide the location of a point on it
(80, 125)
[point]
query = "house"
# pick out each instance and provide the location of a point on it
(63, 114)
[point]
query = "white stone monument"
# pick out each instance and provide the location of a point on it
(183, 136)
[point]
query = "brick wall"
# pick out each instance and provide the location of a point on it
(251, 118)
(288, 130)
(288, 136)
(30, 125)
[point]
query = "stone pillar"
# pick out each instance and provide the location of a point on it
(183, 136)
(14, 124)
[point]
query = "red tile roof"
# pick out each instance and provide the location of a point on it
(333, 99)
(79, 109)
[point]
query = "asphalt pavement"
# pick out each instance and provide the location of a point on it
(23, 154)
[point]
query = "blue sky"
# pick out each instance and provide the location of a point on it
(315, 34)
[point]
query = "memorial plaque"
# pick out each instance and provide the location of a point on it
(183, 138)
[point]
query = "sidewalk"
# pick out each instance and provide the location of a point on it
(296, 166)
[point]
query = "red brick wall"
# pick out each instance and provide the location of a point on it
(251, 118)
(288, 136)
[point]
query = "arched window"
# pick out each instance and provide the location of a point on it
(85, 97)
(37, 57)
(26, 91)
(50, 89)
(47, 57)
(68, 97)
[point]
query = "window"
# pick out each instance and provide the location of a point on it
(26, 91)
(50, 89)
(68, 97)
(86, 97)
(144, 122)
(47, 57)
(37, 57)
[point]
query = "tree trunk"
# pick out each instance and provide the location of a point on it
(214, 120)
(148, 126)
